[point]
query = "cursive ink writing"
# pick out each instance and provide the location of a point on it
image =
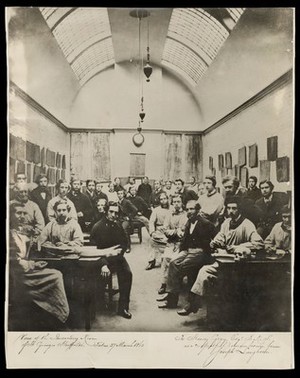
(217, 347)
(43, 343)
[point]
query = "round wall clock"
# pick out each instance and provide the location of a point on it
(138, 139)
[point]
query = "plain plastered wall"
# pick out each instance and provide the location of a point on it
(37, 64)
(112, 100)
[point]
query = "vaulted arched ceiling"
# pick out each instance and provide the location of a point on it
(183, 40)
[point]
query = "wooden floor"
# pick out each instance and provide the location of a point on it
(146, 316)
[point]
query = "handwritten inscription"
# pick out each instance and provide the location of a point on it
(43, 343)
(216, 347)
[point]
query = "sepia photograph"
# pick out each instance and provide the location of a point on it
(150, 182)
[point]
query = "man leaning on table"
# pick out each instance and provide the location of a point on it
(237, 235)
(62, 231)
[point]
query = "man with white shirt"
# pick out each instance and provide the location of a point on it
(63, 189)
(211, 202)
(158, 240)
(63, 231)
(174, 226)
(34, 219)
(194, 253)
(131, 183)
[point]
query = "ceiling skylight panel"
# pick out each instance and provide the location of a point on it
(236, 13)
(55, 16)
(193, 41)
(185, 59)
(96, 54)
(97, 69)
(46, 12)
(80, 27)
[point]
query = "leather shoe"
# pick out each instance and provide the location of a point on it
(162, 289)
(163, 298)
(150, 265)
(167, 305)
(125, 314)
(187, 311)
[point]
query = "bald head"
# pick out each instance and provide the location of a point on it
(21, 192)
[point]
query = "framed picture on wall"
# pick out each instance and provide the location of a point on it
(137, 165)
(220, 162)
(272, 148)
(253, 156)
(244, 177)
(283, 169)
(264, 170)
(242, 156)
(236, 171)
(21, 149)
(228, 160)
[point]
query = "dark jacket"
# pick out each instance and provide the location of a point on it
(107, 234)
(254, 194)
(140, 204)
(82, 203)
(154, 198)
(144, 191)
(35, 196)
(127, 209)
(187, 195)
(98, 196)
(201, 236)
(269, 214)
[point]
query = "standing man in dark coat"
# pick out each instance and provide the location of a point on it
(145, 190)
(127, 212)
(41, 195)
(253, 192)
(109, 233)
(83, 206)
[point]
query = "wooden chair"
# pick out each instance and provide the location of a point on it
(137, 229)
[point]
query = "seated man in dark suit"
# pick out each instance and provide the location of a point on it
(41, 195)
(108, 233)
(237, 234)
(194, 253)
(141, 205)
(269, 208)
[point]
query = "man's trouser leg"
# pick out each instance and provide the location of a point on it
(124, 274)
(206, 273)
(170, 252)
(187, 263)
(143, 220)
(127, 228)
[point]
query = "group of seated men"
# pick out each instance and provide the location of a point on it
(184, 228)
